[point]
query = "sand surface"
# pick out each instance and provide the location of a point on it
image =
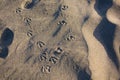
(59, 39)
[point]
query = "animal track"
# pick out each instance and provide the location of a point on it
(3, 52)
(64, 7)
(27, 21)
(40, 44)
(70, 37)
(18, 10)
(28, 4)
(51, 55)
(46, 69)
(63, 22)
(30, 33)
(53, 60)
(42, 57)
(58, 51)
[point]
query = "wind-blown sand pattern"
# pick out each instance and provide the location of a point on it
(59, 40)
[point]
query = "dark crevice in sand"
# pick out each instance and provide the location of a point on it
(57, 13)
(30, 5)
(101, 6)
(85, 20)
(105, 34)
(28, 58)
(57, 31)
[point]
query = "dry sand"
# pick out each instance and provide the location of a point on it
(59, 40)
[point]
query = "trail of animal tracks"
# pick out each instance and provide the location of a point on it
(59, 40)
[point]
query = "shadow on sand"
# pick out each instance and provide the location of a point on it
(5, 41)
(105, 30)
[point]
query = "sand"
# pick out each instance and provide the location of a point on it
(59, 40)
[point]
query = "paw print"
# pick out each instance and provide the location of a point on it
(40, 44)
(18, 10)
(64, 7)
(63, 22)
(46, 69)
(53, 60)
(27, 21)
(30, 33)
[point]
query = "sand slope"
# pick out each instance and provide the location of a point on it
(59, 40)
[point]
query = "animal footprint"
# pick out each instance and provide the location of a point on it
(28, 4)
(53, 60)
(46, 69)
(58, 51)
(43, 56)
(18, 10)
(27, 21)
(40, 44)
(63, 22)
(70, 37)
(29, 33)
(64, 7)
